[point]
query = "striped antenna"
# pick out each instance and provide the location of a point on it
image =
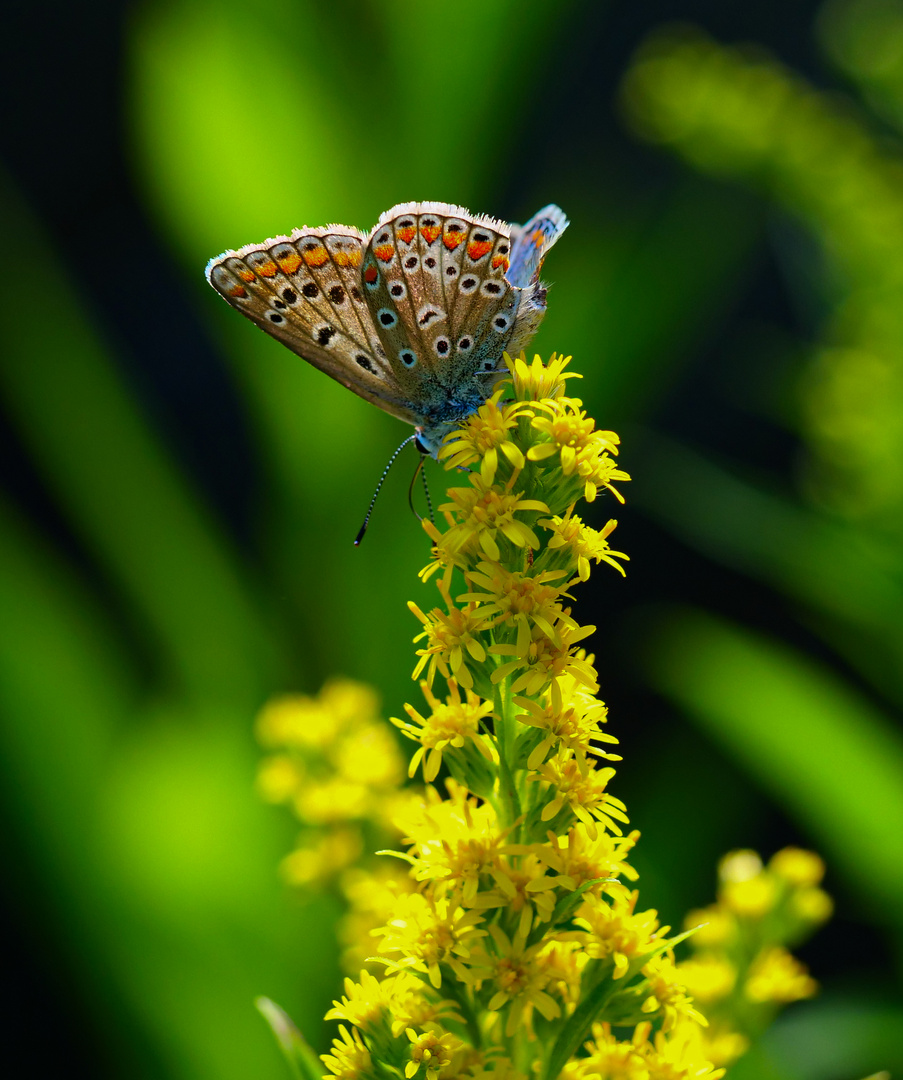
(363, 528)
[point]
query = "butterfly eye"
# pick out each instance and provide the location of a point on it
(398, 290)
(468, 285)
(411, 263)
(465, 344)
(408, 358)
(501, 323)
(275, 317)
(386, 317)
(309, 289)
(441, 345)
(289, 296)
(492, 288)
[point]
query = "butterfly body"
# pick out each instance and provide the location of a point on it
(414, 316)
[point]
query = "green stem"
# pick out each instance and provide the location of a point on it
(510, 809)
(456, 991)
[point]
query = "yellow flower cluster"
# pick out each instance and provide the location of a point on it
(741, 971)
(336, 764)
(511, 944)
(521, 948)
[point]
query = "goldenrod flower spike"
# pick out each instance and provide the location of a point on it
(508, 942)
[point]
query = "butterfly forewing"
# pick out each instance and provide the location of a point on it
(305, 290)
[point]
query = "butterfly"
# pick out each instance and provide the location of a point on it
(414, 316)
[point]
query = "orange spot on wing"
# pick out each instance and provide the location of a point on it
(453, 240)
(347, 258)
(371, 274)
(267, 269)
(538, 238)
(316, 256)
(384, 252)
(500, 261)
(247, 275)
(429, 232)
(289, 263)
(476, 249)
(406, 234)
(238, 291)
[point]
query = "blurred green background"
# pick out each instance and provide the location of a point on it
(180, 493)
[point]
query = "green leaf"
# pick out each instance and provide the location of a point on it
(827, 754)
(303, 1062)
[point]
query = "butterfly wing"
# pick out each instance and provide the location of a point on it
(434, 278)
(530, 244)
(305, 291)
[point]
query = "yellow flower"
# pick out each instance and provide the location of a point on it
(540, 659)
(520, 983)
(450, 638)
(350, 1059)
(372, 896)
(776, 975)
(811, 905)
(581, 450)
(482, 512)
(430, 1051)
(449, 725)
(432, 934)
(581, 543)
(679, 1053)
(608, 1058)
(297, 720)
(515, 596)
(708, 977)
(321, 860)
(483, 435)
(279, 778)
(798, 867)
(454, 841)
(714, 926)
(570, 718)
(615, 932)
(582, 792)
(535, 381)
(667, 994)
(579, 857)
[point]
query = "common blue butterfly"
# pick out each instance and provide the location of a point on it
(414, 315)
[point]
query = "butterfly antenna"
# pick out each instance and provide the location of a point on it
(382, 479)
(426, 491)
(420, 471)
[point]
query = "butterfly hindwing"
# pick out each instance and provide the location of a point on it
(435, 278)
(531, 243)
(305, 290)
